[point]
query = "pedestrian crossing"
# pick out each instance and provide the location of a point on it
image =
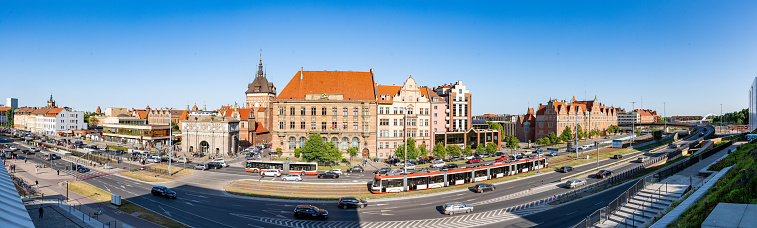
(467, 220)
(83, 176)
(517, 194)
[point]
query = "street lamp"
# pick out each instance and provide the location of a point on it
(665, 121)
(633, 125)
(404, 163)
(721, 118)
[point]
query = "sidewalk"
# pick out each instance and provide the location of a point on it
(51, 191)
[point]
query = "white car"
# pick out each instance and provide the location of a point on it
(411, 166)
(153, 159)
(12, 148)
(468, 157)
(399, 164)
(398, 171)
(292, 177)
(271, 173)
(337, 171)
(438, 165)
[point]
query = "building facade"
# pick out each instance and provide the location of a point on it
(555, 116)
(3, 116)
(753, 106)
(458, 98)
(11, 102)
(339, 106)
(403, 111)
(163, 116)
(138, 134)
(215, 136)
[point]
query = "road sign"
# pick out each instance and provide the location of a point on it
(142, 168)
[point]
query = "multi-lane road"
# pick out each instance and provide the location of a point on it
(201, 202)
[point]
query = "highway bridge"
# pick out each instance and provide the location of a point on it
(658, 124)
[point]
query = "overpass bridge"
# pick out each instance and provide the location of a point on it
(658, 124)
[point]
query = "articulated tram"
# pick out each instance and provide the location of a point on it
(438, 179)
(286, 167)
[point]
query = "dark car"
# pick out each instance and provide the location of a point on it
(214, 165)
(50, 157)
(566, 169)
(346, 202)
(382, 171)
(451, 166)
(355, 169)
(475, 160)
(26, 151)
(328, 175)
(701, 134)
(482, 187)
(603, 173)
(163, 191)
(617, 156)
(392, 161)
(310, 211)
(81, 169)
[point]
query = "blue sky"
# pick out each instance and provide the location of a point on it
(694, 55)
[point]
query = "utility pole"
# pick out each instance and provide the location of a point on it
(721, 118)
(404, 163)
(665, 129)
(633, 124)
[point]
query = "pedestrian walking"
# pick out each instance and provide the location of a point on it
(59, 172)
(36, 169)
(36, 183)
(24, 160)
(41, 212)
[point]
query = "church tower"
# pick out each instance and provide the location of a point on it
(51, 102)
(260, 92)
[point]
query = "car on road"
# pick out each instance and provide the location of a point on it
(566, 169)
(355, 169)
(183, 160)
(292, 177)
(411, 166)
(573, 183)
(642, 159)
(153, 159)
(201, 166)
(25, 151)
(310, 211)
(34, 149)
(475, 160)
(337, 171)
(603, 173)
(425, 170)
(382, 171)
(456, 207)
(482, 187)
(346, 202)
(214, 165)
(440, 164)
(328, 175)
(48, 157)
(554, 153)
(701, 134)
(451, 166)
(81, 169)
(397, 172)
(221, 161)
(271, 173)
(617, 156)
(12, 148)
(163, 191)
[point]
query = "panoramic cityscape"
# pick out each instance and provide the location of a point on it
(378, 114)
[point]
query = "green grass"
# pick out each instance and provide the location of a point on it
(653, 145)
(736, 186)
(118, 148)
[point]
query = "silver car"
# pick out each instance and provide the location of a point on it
(452, 208)
(201, 166)
(573, 183)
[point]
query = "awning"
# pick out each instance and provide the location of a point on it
(12, 210)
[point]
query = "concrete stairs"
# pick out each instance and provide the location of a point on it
(643, 207)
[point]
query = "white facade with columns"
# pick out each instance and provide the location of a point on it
(213, 135)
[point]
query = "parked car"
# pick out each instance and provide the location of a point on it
(617, 156)
(438, 164)
(642, 159)
(346, 202)
(163, 191)
(337, 171)
(271, 173)
(452, 208)
(566, 169)
(292, 177)
(201, 166)
(573, 183)
(310, 211)
(482, 187)
(214, 165)
(603, 173)
(382, 171)
(355, 169)
(475, 160)
(328, 175)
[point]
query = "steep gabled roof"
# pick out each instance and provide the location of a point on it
(387, 92)
(354, 86)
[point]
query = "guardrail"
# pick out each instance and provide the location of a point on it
(601, 215)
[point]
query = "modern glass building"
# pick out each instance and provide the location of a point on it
(136, 133)
(753, 105)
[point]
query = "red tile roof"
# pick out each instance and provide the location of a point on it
(4, 109)
(40, 111)
(259, 129)
(391, 91)
(355, 86)
(53, 112)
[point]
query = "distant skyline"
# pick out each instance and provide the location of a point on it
(512, 55)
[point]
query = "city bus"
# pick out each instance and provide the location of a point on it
(286, 167)
(440, 179)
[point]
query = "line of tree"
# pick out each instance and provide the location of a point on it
(315, 149)
(738, 117)
(568, 134)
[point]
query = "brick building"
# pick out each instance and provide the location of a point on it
(554, 116)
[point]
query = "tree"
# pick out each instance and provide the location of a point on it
(174, 126)
(352, 151)
(580, 132)
(279, 151)
(491, 148)
(316, 150)
(453, 150)
(422, 151)
(467, 151)
(332, 153)
(297, 152)
(92, 121)
(512, 143)
(496, 126)
(614, 129)
(566, 135)
(439, 150)
(9, 117)
(553, 139)
(412, 152)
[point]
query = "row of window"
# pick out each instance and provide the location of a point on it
(314, 111)
(459, 110)
(323, 126)
(398, 133)
(411, 122)
(344, 144)
(410, 111)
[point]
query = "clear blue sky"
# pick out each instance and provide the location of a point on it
(693, 54)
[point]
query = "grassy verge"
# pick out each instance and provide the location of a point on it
(158, 177)
(653, 145)
(101, 196)
(601, 157)
(737, 186)
(117, 148)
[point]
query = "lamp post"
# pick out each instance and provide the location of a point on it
(721, 118)
(665, 121)
(170, 148)
(633, 125)
(404, 163)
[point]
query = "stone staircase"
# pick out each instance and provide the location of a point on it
(645, 205)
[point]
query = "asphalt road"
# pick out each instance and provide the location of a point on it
(202, 203)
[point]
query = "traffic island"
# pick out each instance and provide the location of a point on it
(158, 173)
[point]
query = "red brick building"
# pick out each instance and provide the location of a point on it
(554, 116)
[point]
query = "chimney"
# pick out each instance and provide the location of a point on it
(301, 73)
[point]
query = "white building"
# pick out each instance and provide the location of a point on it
(11, 102)
(753, 105)
(628, 118)
(215, 136)
(61, 120)
(394, 104)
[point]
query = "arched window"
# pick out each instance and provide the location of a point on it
(191, 149)
(292, 143)
(204, 146)
(302, 142)
(355, 142)
(335, 141)
(345, 143)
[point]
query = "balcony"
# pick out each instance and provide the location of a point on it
(446, 117)
(446, 125)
